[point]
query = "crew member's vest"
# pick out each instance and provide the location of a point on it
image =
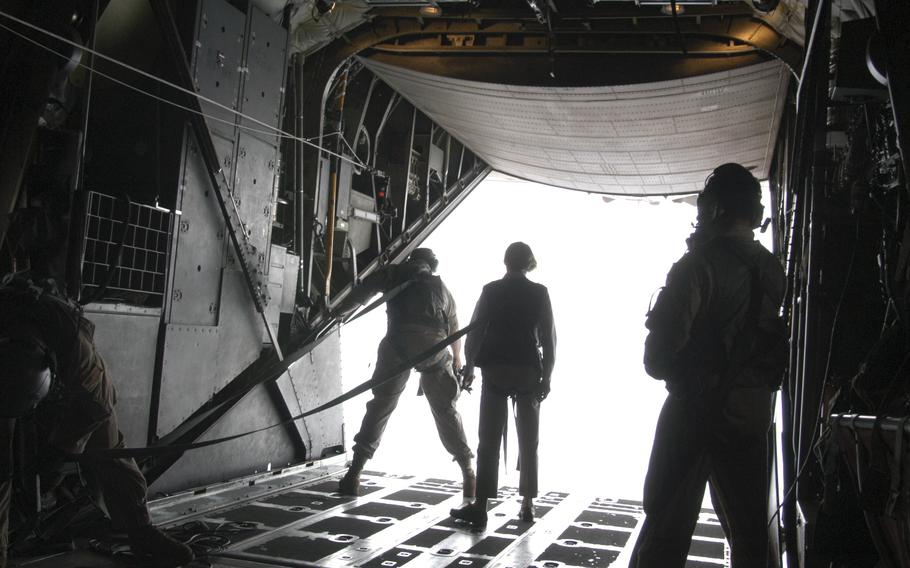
(511, 336)
(422, 302)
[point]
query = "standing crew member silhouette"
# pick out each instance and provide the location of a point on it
(421, 313)
(716, 338)
(516, 348)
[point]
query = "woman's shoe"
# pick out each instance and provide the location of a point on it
(472, 514)
(526, 513)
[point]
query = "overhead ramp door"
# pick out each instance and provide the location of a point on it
(647, 139)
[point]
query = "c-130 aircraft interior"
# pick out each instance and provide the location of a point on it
(228, 170)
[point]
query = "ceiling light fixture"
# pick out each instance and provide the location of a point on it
(430, 11)
(667, 9)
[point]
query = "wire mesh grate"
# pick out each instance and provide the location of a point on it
(143, 262)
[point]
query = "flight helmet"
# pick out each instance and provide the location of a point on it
(424, 255)
(25, 375)
(731, 192)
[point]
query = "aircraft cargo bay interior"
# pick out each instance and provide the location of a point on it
(502, 283)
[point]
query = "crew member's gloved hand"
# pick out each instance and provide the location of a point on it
(543, 389)
(467, 378)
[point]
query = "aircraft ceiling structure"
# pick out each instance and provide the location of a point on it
(659, 138)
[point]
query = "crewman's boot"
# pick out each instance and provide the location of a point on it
(473, 514)
(468, 477)
(526, 513)
(350, 483)
(151, 547)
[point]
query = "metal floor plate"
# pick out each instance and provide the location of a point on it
(404, 521)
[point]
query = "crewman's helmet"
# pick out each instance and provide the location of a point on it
(731, 192)
(519, 257)
(424, 255)
(25, 375)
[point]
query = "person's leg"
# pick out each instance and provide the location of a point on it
(376, 418)
(740, 477)
(385, 400)
(527, 425)
(7, 427)
(739, 484)
(441, 389)
(674, 488)
(492, 419)
(123, 486)
(124, 491)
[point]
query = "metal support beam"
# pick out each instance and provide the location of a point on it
(484, 47)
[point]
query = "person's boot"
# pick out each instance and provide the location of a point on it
(468, 478)
(350, 483)
(151, 547)
(526, 513)
(473, 514)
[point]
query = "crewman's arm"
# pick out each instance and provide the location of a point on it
(670, 321)
(547, 334)
(452, 319)
(379, 281)
(474, 338)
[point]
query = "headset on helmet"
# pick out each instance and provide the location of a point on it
(26, 374)
(424, 255)
(731, 192)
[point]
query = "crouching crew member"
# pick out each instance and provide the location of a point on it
(516, 350)
(421, 313)
(716, 338)
(46, 345)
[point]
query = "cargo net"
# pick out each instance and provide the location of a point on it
(140, 275)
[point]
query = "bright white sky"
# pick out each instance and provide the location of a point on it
(602, 262)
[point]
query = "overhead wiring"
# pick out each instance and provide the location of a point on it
(271, 130)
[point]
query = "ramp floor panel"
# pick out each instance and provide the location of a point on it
(404, 521)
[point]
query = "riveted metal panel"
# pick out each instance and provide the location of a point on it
(253, 184)
(217, 58)
(200, 360)
(189, 372)
(265, 70)
(126, 337)
(200, 242)
(309, 375)
(277, 266)
(240, 326)
(238, 457)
